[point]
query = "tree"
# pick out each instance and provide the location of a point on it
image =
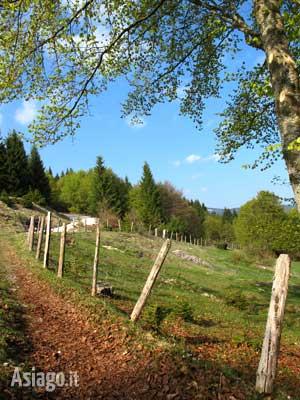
(163, 47)
(3, 167)
(149, 202)
(75, 189)
(37, 177)
(17, 165)
(259, 222)
(228, 215)
(179, 214)
(109, 191)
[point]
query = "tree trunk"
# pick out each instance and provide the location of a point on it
(285, 84)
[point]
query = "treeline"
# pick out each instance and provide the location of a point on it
(261, 226)
(22, 175)
(264, 227)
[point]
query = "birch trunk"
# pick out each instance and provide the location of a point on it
(285, 84)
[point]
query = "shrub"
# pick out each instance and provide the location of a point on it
(33, 196)
(222, 246)
(5, 198)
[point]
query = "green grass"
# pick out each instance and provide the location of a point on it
(214, 317)
(229, 300)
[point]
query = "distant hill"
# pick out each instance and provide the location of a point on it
(220, 211)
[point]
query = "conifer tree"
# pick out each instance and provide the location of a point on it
(37, 175)
(149, 205)
(3, 167)
(17, 165)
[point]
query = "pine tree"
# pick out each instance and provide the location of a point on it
(3, 167)
(17, 165)
(150, 208)
(227, 216)
(38, 177)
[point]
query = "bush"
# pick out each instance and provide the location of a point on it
(33, 196)
(222, 246)
(5, 198)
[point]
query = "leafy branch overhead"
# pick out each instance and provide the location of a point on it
(62, 52)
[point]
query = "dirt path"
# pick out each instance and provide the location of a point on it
(62, 339)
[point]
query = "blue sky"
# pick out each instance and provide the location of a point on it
(175, 150)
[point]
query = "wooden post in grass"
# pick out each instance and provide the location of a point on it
(61, 260)
(164, 233)
(96, 261)
(156, 232)
(47, 240)
(171, 237)
(119, 224)
(107, 224)
(138, 308)
(266, 371)
(40, 238)
(31, 233)
(39, 224)
(190, 239)
(131, 228)
(176, 236)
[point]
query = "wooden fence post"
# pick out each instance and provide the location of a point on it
(176, 236)
(119, 223)
(138, 308)
(266, 371)
(31, 233)
(47, 240)
(171, 235)
(96, 261)
(164, 234)
(190, 239)
(156, 232)
(40, 238)
(39, 224)
(131, 228)
(61, 260)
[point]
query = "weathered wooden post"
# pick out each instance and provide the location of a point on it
(31, 233)
(172, 233)
(119, 224)
(39, 224)
(131, 228)
(61, 260)
(47, 240)
(107, 224)
(40, 238)
(96, 261)
(266, 371)
(151, 280)
(156, 232)
(176, 236)
(164, 234)
(185, 238)
(190, 239)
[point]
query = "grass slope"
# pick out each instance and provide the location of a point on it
(215, 314)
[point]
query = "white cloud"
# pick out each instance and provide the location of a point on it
(26, 113)
(176, 163)
(136, 123)
(192, 158)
